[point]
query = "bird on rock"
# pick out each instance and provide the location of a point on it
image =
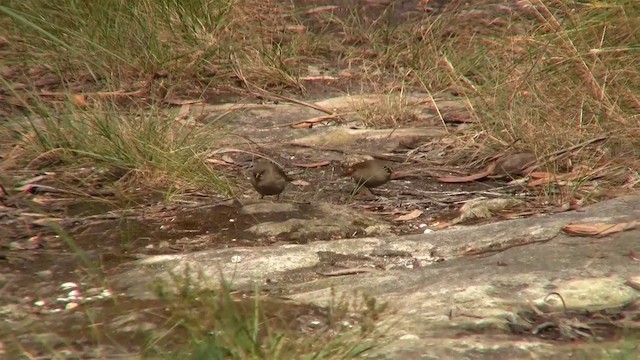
(268, 178)
(369, 174)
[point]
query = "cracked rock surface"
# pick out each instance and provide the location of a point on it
(446, 303)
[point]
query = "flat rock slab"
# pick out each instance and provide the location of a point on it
(303, 223)
(270, 125)
(446, 303)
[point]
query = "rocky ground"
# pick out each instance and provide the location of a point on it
(472, 251)
(516, 284)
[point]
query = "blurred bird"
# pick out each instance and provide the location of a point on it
(268, 178)
(369, 173)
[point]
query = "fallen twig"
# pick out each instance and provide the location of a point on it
(309, 122)
(350, 271)
(502, 247)
(273, 96)
(558, 154)
(393, 158)
(311, 165)
(145, 89)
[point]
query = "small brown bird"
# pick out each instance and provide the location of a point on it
(268, 178)
(370, 174)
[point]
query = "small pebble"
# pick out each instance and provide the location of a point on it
(315, 323)
(45, 273)
(409, 337)
(68, 285)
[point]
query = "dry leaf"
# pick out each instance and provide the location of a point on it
(299, 182)
(309, 122)
(217, 162)
(27, 184)
(227, 159)
(3, 42)
(540, 174)
(540, 178)
(410, 216)
(182, 102)
(371, 207)
(302, 125)
(544, 178)
(47, 80)
(633, 282)
(469, 178)
(598, 229)
(321, 9)
(312, 165)
(79, 100)
(404, 174)
(346, 74)
(317, 78)
(296, 28)
(46, 221)
(440, 225)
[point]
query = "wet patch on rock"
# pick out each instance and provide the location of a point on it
(304, 223)
(228, 225)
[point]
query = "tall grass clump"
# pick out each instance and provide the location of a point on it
(202, 42)
(147, 149)
(549, 75)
